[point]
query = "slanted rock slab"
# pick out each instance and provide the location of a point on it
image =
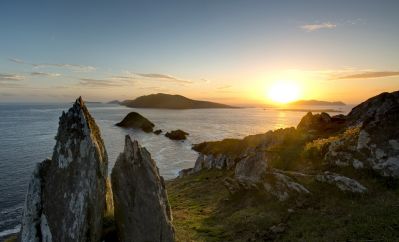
(141, 207)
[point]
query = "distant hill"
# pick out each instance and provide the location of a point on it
(316, 103)
(114, 102)
(167, 101)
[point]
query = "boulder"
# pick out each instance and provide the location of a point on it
(177, 135)
(136, 121)
(66, 195)
(141, 207)
(158, 131)
(342, 182)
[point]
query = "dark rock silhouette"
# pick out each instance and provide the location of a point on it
(142, 211)
(177, 135)
(167, 101)
(136, 121)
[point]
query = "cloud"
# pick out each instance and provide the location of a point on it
(370, 74)
(90, 82)
(4, 77)
(224, 87)
(72, 67)
(98, 83)
(10, 80)
(315, 27)
(45, 74)
(163, 77)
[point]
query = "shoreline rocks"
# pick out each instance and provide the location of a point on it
(177, 135)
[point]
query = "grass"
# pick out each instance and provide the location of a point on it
(203, 210)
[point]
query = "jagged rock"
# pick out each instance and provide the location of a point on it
(177, 135)
(158, 131)
(136, 121)
(185, 172)
(375, 108)
(252, 168)
(342, 182)
(321, 123)
(142, 211)
(66, 195)
(219, 161)
(282, 186)
(374, 144)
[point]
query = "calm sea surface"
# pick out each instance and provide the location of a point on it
(27, 137)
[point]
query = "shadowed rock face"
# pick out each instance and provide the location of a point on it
(142, 211)
(66, 195)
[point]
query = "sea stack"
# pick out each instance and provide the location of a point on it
(142, 211)
(66, 195)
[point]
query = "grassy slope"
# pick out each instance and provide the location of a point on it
(204, 211)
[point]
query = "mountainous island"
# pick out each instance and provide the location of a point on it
(167, 101)
(316, 103)
(331, 178)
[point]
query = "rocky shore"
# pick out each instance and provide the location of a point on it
(331, 178)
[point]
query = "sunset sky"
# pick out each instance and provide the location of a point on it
(224, 51)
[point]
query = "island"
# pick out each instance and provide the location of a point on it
(167, 101)
(136, 121)
(316, 103)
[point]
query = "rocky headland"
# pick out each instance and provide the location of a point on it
(326, 171)
(331, 178)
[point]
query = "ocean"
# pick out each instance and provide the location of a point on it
(27, 134)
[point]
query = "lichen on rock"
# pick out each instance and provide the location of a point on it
(142, 211)
(66, 195)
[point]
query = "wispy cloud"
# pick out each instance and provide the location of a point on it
(163, 77)
(11, 77)
(370, 74)
(44, 74)
(225, 87)
(10, 80)
(315, 27)
(72, 67)
(98, 83)
(91, 82)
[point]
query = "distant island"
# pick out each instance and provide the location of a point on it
(114, 102)
(316, 103)
(167, 101)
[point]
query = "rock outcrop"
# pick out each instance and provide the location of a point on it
(321, 123)
(136, 121)
(66, 195)
(177, 135)
(342, 182)
(142, 211)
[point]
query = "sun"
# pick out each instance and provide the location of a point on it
(284, 92)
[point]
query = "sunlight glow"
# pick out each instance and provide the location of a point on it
(284, 92)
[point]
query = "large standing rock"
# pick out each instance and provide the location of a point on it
(66, 195)
(142, 211)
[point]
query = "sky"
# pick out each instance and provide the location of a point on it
(225, 51)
